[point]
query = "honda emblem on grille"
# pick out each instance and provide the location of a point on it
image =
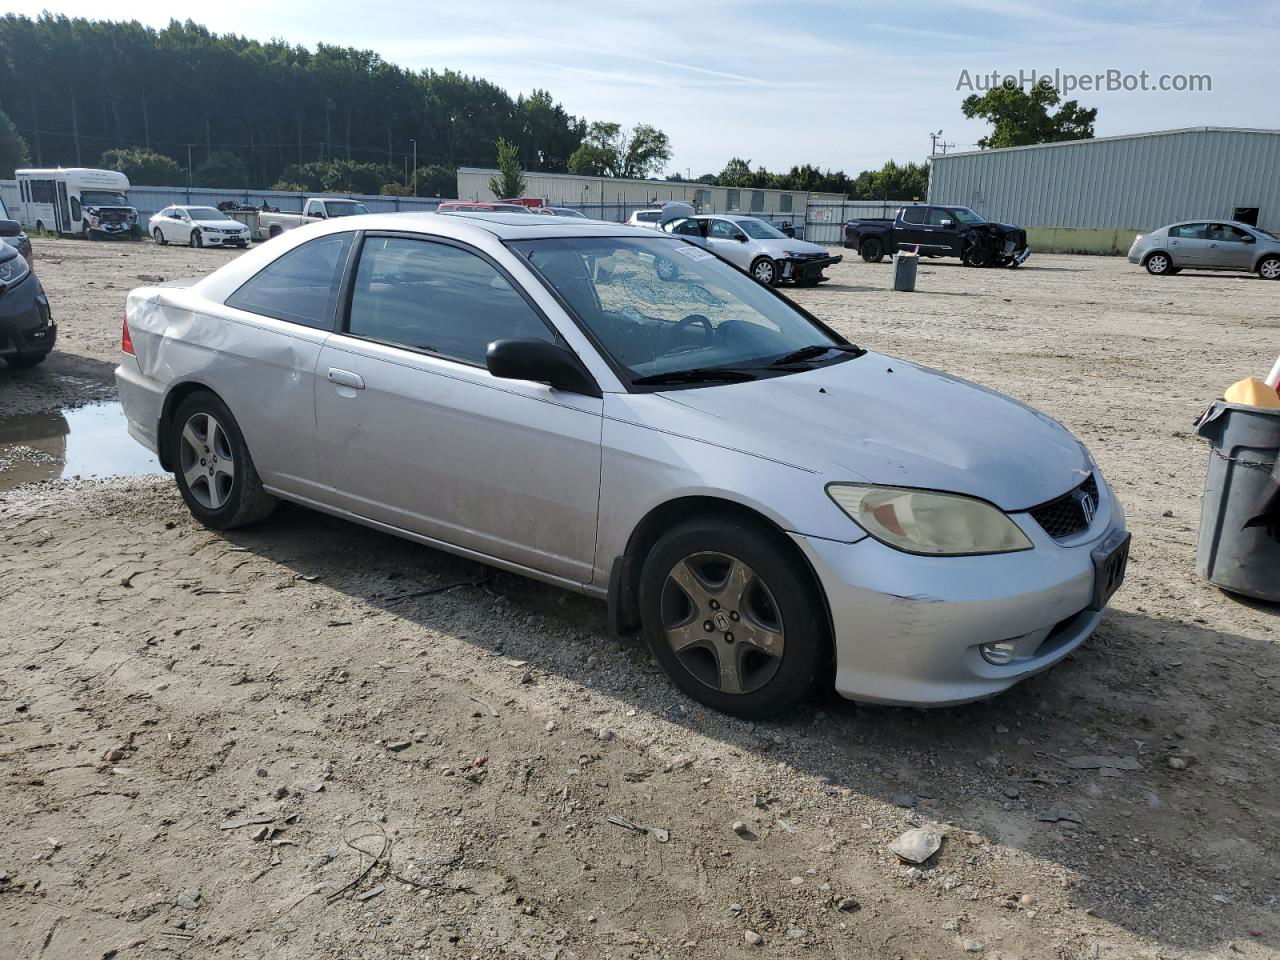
(1088, 508)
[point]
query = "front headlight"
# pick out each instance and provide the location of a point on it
(921, 521)
(14, 269)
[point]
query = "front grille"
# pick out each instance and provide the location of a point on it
(1067, 515)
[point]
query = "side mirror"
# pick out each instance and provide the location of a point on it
(319, 212)
(741, 238)
(948, 223)
(541, 362)
(10, 228)
(1250, 238)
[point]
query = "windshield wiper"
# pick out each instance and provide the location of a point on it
(697, 375)
(815, 351)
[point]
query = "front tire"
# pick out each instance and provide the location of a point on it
(732, 617)
(196, 239)
(213, 467)
(1159, 264)
(765, 271)
(158, 236)
(872, 250)
(1269, 268)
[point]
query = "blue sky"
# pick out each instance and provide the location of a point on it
(841, 85)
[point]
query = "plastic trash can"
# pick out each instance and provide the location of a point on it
(904, 271)
(1239, 545)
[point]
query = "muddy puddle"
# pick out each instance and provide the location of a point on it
(90, 441)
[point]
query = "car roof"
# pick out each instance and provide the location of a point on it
(504, 226)
(1233, 223)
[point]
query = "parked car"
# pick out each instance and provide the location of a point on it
(272, 224)
(757, 247)
(481, 206)
(565, 212)
(772, 505)
(197, 227)
(939, 231)
(27, 330)
(1208, 245)
(646, 218)
(11, 233)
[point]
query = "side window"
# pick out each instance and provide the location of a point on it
(913, 214)
(722, 230)
(1189, 231)
(436, 297)
(42, 191)
(938, 214)
(1225, 233)
(686, 228)
(75, 208)
(301, 286)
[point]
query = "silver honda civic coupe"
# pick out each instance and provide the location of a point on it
(622, 413)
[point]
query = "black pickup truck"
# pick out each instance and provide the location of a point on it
(938, 231)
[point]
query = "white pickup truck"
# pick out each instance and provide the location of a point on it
(316, 208)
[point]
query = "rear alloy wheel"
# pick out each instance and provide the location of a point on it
(1158, 264)
(1269, 268)
(196, 239)
(872, 250)
(731, 618)
(158, 236)
(765, 271)
(212, 465)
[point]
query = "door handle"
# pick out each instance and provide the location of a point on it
(345, 378)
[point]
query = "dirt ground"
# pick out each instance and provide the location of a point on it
(197, 731)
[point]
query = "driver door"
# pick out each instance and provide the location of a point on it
(943, 231)
(413, 431)
(726, 239)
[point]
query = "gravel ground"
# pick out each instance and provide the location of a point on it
(198, 731)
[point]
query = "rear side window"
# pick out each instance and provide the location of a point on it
(437, 298)
(301, 286)
(913, 214)
(1189, 231)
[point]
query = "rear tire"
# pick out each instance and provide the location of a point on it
(27, 361)
(769, 601)
(1158, 264)
(872, 250)
(1269, 268)
(213, 467)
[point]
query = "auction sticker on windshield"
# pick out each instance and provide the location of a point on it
(694, 253)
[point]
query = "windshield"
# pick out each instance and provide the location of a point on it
(661, 306)
(1265, 234)
(98, 198)
(760, 230)
(566, 212)
(965, 215)
(206, 213)
(347, 208)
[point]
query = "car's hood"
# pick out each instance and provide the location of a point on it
(219, 224)
(882, 420)
(787, 245)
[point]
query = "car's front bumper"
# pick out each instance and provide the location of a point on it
(114, 228)
(26, 322)
(908, 628)
(807, 269)
(224, 239)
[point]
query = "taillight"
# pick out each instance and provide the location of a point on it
(126, 341)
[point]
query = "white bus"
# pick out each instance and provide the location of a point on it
(77, 201)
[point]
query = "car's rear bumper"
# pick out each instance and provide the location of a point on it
(143, 402)
(26, 322)
(908, 629)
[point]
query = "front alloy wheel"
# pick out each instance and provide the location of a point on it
(765, 271)
(1269, 269)
(158, 236)
(722, 623)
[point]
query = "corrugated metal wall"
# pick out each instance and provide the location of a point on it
(1141, 182)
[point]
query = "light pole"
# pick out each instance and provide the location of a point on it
(414, 143)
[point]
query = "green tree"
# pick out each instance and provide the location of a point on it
(395, 189)
(437, 180)
(144, 167)
(13, 149)
(608, 150)
(222, 169)
(736, 173)
(347, 176)
(1019, 117)
(509, 181)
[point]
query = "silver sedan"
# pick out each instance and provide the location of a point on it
(774, 507)
(757, 247)
(1208, 245)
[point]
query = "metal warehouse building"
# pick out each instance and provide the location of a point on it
(613, 198)
(1094, 195)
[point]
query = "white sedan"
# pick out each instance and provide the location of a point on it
(198, 227)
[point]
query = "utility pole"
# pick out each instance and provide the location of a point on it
(933, 142)
(414, 143)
